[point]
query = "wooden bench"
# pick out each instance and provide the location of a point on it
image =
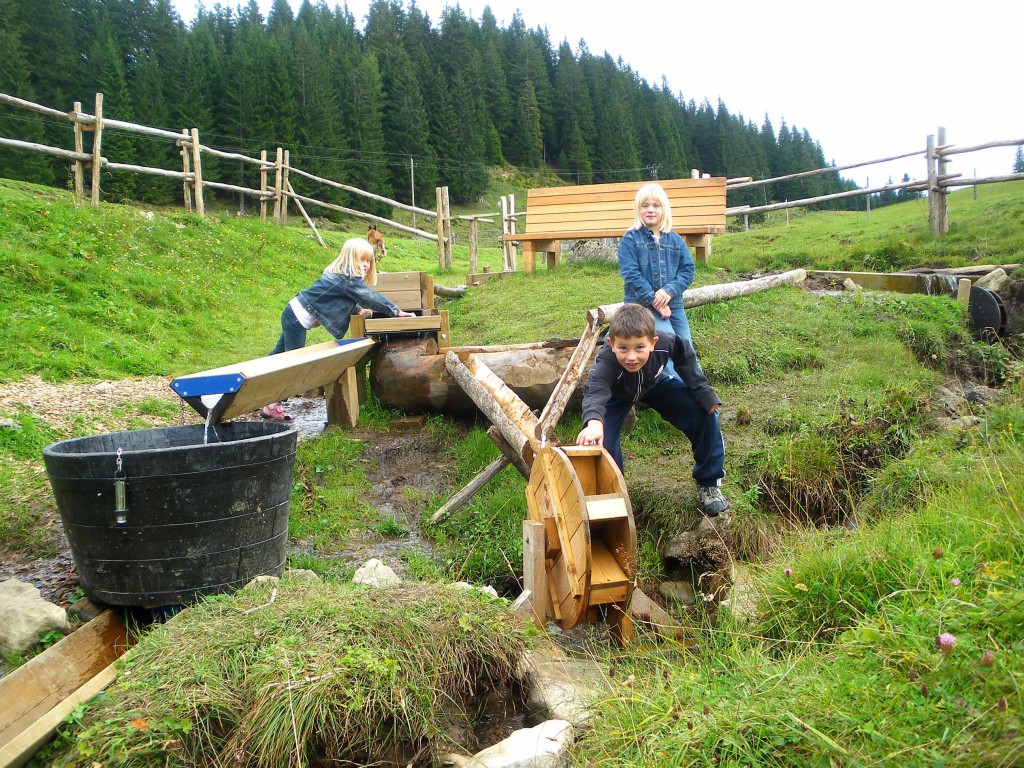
(336, 367)
(595, 211)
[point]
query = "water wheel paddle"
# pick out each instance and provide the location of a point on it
(579, 495)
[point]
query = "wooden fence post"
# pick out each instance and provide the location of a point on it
(79, 168)
(941, 203)
(186, 166)
(97, 149)
(440, 227)
(285, 186)
(263, 184)
(933, 187)
(197, 169)
(474, 227)
(512, 228)
(505, 245)
(278, 185)
(447, 230)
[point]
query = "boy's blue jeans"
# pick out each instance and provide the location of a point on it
(672, 399)
(293, 335)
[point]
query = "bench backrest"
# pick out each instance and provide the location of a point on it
(606, 210)
(409, 290)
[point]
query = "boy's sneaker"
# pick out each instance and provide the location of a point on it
(711, 500)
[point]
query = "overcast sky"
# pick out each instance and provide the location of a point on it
(868, 79)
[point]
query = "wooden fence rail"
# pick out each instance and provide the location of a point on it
(193, 183)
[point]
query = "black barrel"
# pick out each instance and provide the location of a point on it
(158, 517)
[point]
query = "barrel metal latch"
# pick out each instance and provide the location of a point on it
(120, 503)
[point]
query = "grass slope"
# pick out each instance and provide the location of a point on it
(828, 419)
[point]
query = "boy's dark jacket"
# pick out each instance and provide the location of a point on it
(608, 380)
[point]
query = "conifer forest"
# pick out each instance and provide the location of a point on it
(367, 101)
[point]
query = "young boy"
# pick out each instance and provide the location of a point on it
(630, 368)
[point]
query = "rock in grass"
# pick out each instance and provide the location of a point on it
(25, 616)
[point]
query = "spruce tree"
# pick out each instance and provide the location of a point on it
(15, 123)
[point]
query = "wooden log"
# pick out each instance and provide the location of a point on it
(449, 293)
(509, 452)
(97, 150)
(497, 402)
(236, 188)
(263, 185)
(580, 362)
(285, 184)
(146, 169)
(45, 149)
(364, 193)
(263, 162)
(474, 229)
(186, 166)
(197, 170)
(13, 101)
(78, 167)
(447, 228)
(707, 294)
(278, 185)
(367, 217)
(460, 499)
(309, 221)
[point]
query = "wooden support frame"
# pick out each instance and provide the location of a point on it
(78, 169)
(197, 170)
(97, 150)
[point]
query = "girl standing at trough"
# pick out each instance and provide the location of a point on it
(342, 289)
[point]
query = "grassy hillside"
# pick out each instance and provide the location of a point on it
(864, 526)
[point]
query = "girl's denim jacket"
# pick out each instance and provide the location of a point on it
(333, 298)
(647, 265)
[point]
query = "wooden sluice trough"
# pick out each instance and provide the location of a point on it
(37, 696)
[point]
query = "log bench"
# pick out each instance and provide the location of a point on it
(336, 367)
(595, 211)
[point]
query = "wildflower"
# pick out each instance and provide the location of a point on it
(988, 658)
(955, 581)
(937, 553)
(945, 642)
(919, 568)
(1001, 704)
(788, 572)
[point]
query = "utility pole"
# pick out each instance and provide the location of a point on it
(412, 187)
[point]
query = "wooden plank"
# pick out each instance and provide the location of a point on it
(605, 571)
(22, 747)
(611, 506)
(623, 186)
(534, 571)
(33, 689)
(542, 237)
(274, 377)
(395, 324)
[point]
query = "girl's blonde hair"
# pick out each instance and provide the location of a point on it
(648, 192)
(355, 250)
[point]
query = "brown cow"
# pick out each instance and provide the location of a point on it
(376, 238)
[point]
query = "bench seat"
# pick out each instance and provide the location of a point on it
(596, 211)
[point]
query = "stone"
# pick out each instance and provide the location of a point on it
(9, 424)
(374, 573)
(543, 746)
(678, 591)
(261, 580)
(25, 617)
(562, 688)
(103, 386)
(953, 425)
(850, 285)
(487, 590)
(301, 574)
(980, 394)
(950, 401)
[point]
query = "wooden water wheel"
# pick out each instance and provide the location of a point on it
(579, 495)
